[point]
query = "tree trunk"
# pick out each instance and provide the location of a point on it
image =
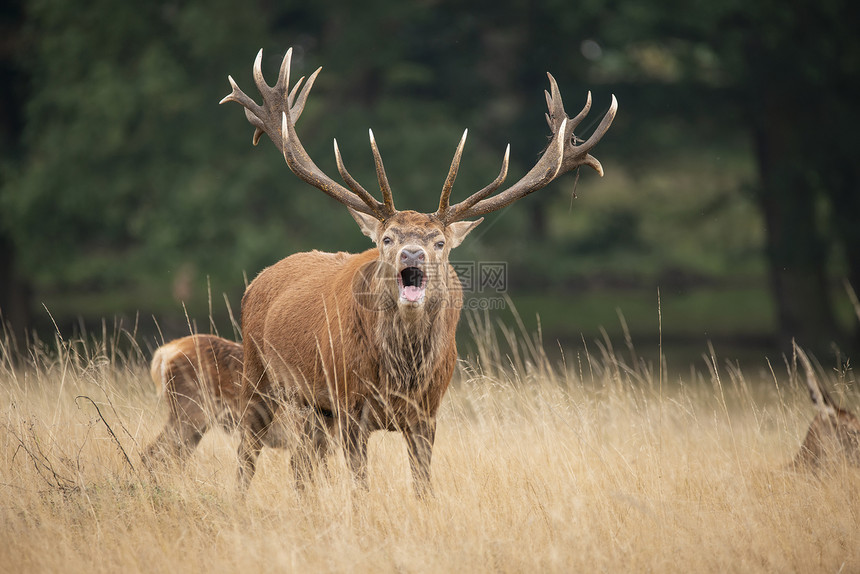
(843, 189)
(15, 294)
(796, 250)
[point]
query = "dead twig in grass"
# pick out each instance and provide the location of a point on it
(110, 430)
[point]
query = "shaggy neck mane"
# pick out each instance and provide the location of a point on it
(408, 347)
(405, 343)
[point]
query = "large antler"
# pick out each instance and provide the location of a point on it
(561, 156)
(277, 118)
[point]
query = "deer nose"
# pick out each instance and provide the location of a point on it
(412, 256)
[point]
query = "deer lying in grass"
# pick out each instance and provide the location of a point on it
(834, 433)
(352, 344)
(199, 378)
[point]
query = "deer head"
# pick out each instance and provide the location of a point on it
(412, 245)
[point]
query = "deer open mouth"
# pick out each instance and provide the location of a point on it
(412, 282)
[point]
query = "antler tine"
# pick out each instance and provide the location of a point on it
(297, 106)
(356, 187)
(303, 166)
(603, 127)
(252, 110)
(556, 107)
(237, 95)
(294, 91)
(387, 197)
(453, 213)
(576, 159)
(266, 89)
(284, 72)
(444, 199)
(241, 98)
(572, 124)
(561, 156)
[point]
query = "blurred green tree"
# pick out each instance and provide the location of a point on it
(129, 178)
(792, 72)
(14, 288)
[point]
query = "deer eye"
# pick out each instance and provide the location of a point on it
(440, 244)
(386, 241)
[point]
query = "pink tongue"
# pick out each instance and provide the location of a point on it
(412, 293)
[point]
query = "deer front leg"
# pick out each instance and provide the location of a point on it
(354, 439)
(419, 443)
(311, 447)
(255, 423)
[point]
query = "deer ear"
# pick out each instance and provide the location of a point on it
(459, 230)
(369, 225)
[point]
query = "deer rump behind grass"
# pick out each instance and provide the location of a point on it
(349, 344)
(199, 378)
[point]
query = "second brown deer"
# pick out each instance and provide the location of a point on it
(357, 343)
(834, 433)
(199, 378)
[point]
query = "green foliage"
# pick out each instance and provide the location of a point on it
(121, 180)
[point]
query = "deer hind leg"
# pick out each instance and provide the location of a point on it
(256, 419)
(176, 442)
(257, 415)
(179, 437)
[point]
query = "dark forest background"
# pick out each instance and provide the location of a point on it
(728, 212)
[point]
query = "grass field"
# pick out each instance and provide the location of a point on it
(596, 464)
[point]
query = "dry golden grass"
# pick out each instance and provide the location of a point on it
(596, 465)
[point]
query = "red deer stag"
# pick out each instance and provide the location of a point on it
(355, 343)
(199, 378)
(833, 434)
